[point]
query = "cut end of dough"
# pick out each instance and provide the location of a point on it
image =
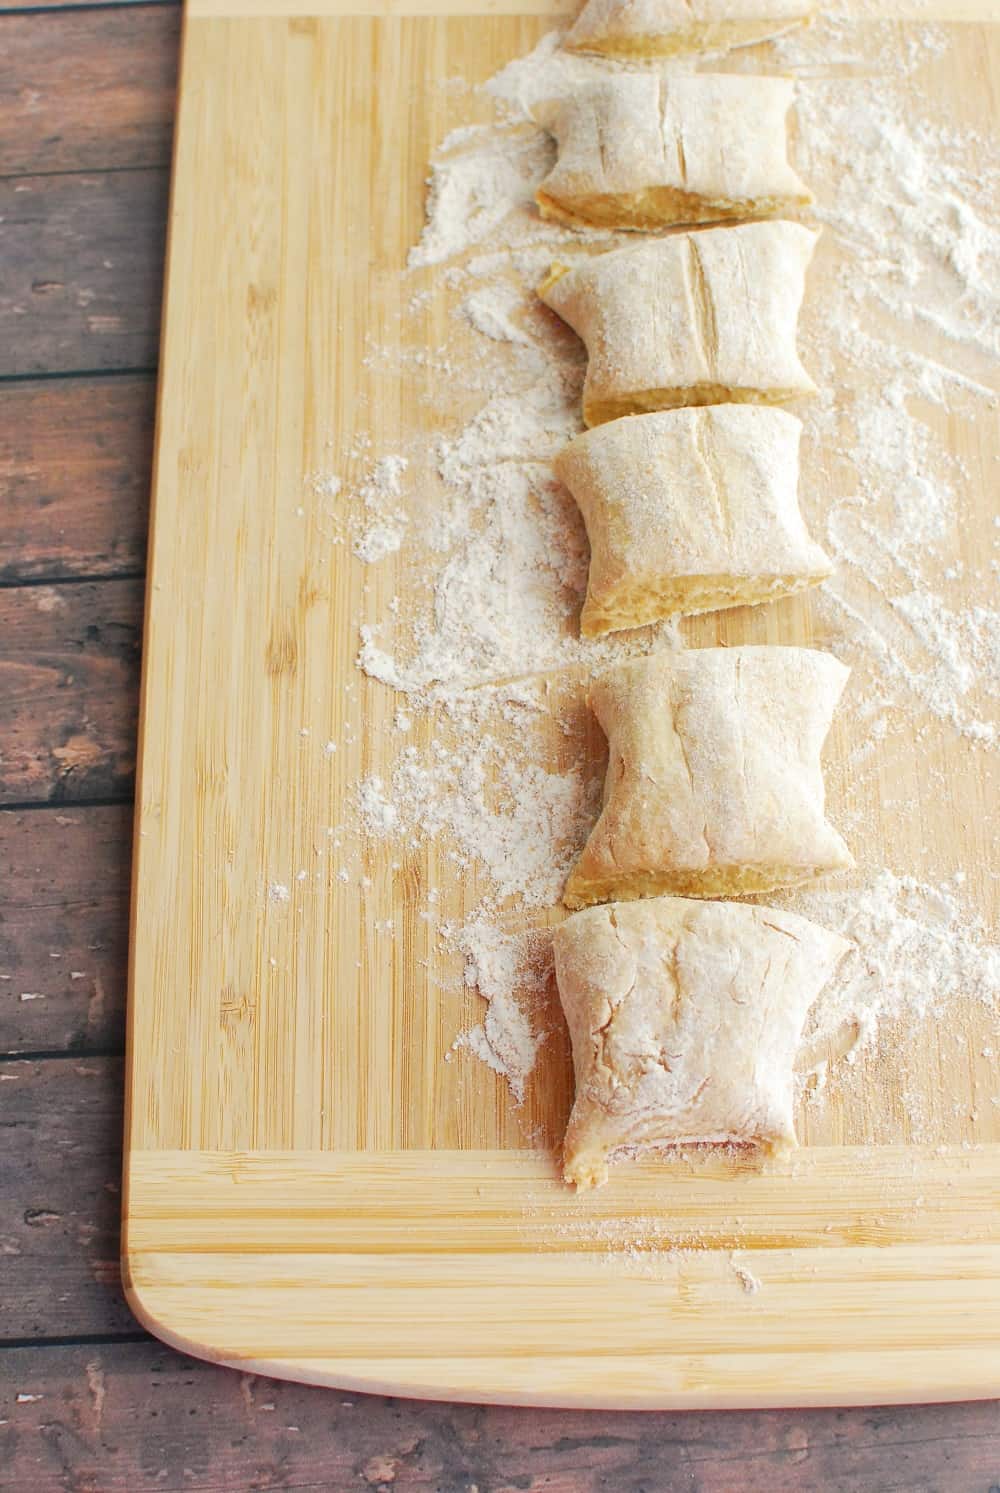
(648, 401)
(637, 604)
(713, 882)
(588, 1169)
(662, 207)
(585, 1169)
(555, 273)
(598, 34)
(776, 1147)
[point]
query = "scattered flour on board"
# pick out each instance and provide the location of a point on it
(912, 240)
(913, 232)
(749, 1282)
(494, 311)
(379, 814)
(511, 970)
(372, 513)
(916, 951)
(518, 822)
(378, 541)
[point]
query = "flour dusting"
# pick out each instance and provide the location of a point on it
(914, 231)
(916, 952)
(498, 964)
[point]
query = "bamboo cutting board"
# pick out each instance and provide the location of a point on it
(310, 1190)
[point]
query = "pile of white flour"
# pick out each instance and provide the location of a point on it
(912, 240)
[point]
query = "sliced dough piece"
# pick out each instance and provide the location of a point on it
(688, 511)
(640, 151)
(696, 318)
(714, 786)
(667, 28)
(685, 1018)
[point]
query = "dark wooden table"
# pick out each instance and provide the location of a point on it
(87, 1400)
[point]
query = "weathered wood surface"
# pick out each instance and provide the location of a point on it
(81, 265)
(60, 1158)
(87, 91)
(69, 670)
(75, 459)
(115, 1418)
(92, 5)
(64, 929)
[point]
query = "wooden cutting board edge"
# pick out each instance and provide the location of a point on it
(457, 1275)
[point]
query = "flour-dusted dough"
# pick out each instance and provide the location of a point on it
(696, 318)
(640, 151)
(685, 1018)
(714, 786)
(665, 28)
(690, 510)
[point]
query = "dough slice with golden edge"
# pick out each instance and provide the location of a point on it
(689, 511)
(696, 318)
(667, 28)
(685, 1018)
(714, 786)
(640, 151)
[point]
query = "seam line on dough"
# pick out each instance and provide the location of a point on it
(687, 768)
(703, 451)
(742, 747)
(705, 332)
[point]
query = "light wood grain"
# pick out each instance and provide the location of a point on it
(631, 1298)
(311, 1188)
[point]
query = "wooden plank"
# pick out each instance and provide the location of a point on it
(75, 460)
(60, 1148)
(130, 1417)
(81, 264)
(63, 928)
(69, 683)
(17, 6)
(87, 91)
(337, 1203)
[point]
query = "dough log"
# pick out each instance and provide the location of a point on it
(640, 151)
(688, 511)
(685, 1018)
(714, 786)
(696, 318)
